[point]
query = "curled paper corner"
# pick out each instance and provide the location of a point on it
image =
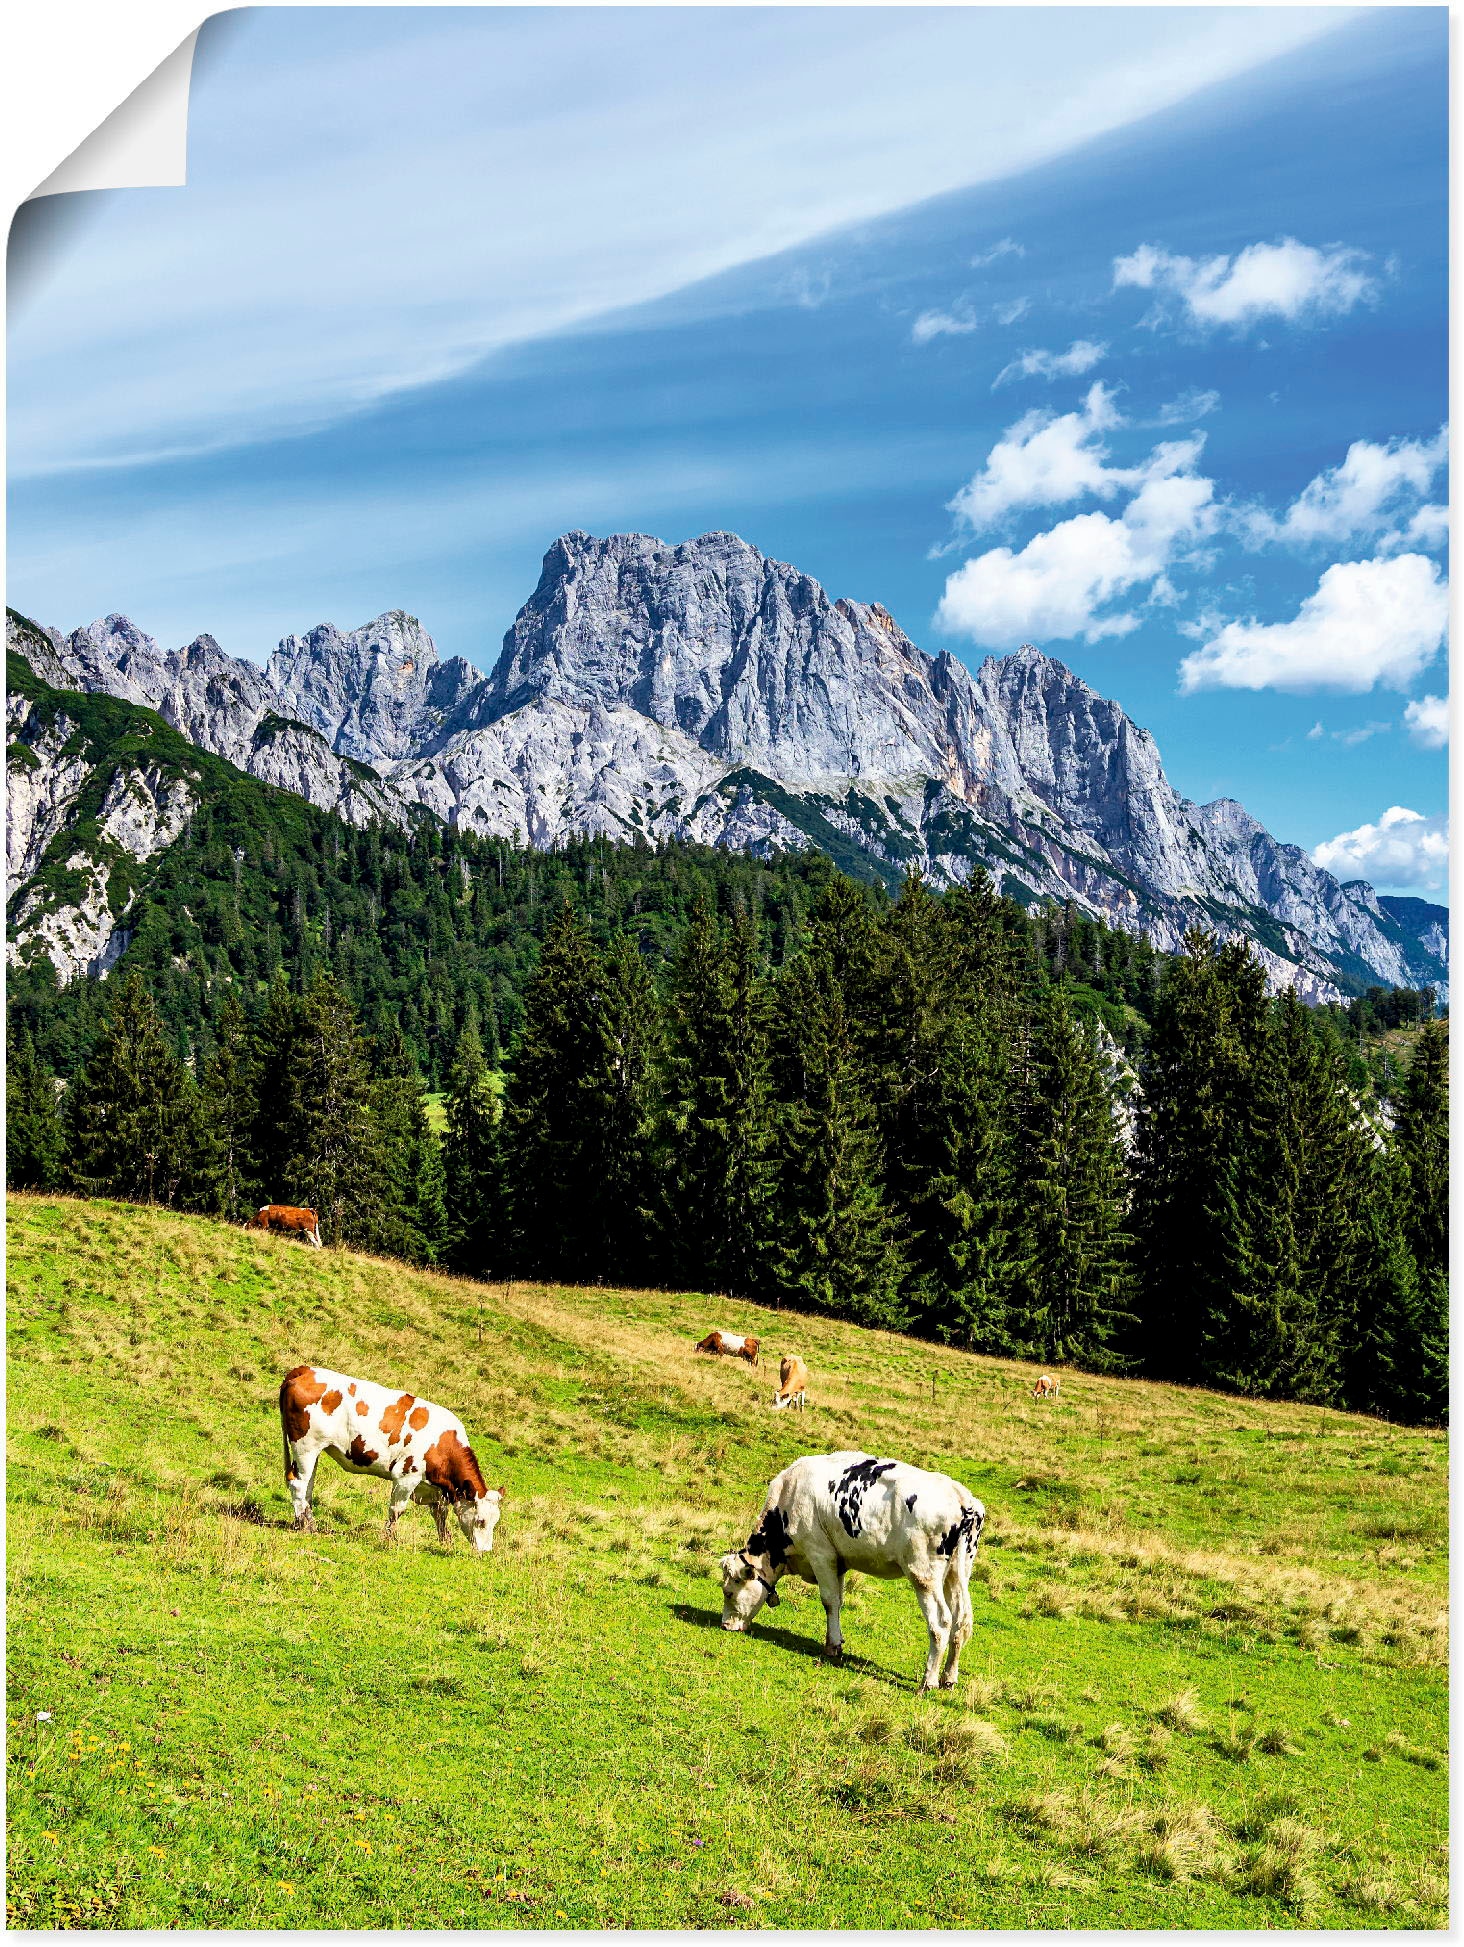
(143, 144)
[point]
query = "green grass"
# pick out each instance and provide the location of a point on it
(1206, 1685)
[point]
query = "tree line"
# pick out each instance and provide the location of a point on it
(902, 1112)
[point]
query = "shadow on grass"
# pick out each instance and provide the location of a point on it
(859, 1666)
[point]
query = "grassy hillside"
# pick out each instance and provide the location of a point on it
(1206, 1685)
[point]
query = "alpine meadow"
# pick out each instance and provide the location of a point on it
(727, 1068)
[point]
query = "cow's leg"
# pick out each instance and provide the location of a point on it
(300, 1465)
(830, 1578)
(401, 1493)
(958, 1599)
(938, 1622)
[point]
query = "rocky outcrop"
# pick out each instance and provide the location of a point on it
(704, 691)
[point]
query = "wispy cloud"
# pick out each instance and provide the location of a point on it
(1006, 248)
(1081, 356)
(1369, 622)
(1287, 280)
(1008, 314)
(1404, 848)
(1197, 403)
(944, 324)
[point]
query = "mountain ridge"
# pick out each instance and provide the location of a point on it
(703, 690)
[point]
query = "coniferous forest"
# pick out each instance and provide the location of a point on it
(1011, 1130)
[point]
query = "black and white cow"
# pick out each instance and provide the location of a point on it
(829, 1513)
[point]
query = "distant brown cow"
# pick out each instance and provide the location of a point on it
(731, 1344)
(792, 1383)
(1047, 1387)
(289, 1221)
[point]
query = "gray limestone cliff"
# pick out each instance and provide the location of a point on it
(704, 691)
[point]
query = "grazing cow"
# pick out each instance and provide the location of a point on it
(792, 1383)
(367, 1429)
(829, 1513)
(1047, 1387)
(732, 1344)
(285, 1218)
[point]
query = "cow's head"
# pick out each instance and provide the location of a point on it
(478, 1515)
(746, 1585)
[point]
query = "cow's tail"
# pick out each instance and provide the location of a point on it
(285, 1436)
(958, 1585)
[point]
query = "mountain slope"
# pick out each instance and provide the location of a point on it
(703, 691)
(225, 1746)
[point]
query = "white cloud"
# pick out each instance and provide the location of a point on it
(1402, 849)
(1365, 497)
(1008, 314)
(1315, 731)
(1427, 720)
(1006, 248)
(1081, 356)
(1189, 406)
(1378, 621)
(1058, 583)
(1045, 460)
(937, 324)
(1287, 280)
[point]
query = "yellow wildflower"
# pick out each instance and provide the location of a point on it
(158, 1852)
(51, 1836)
(285, 1885)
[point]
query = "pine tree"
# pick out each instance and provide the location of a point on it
(230, 1093)
(581, 1111)
(132, 1113)
(321, 1137)
(35, 1141)
(836, 1248)
(721, 1115)
(942, 1059)
(472, 1162)
(1421, 1158)
(411, 1219)
(1195, 1119)
(1072, 1288)
(1395, 1357)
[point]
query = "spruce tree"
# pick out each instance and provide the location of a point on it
(836, 1239)
(720, 1160)
(132, 1113)
(942, 1080)
(320, 1132)
(579, 1124)
(411, 1218)
(1420, 1154)
(35, 1141)
(1195, 1119)
(1072, 1286)
(230, 1092)
(471, 1162)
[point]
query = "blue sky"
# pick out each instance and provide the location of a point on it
(1119, 330)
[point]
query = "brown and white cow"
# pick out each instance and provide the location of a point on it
(289, 1221)
(368, 1429)
(731, 1344)
(792, 1383)
(1047, 1387)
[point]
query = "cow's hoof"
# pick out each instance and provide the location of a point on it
(833, 1655)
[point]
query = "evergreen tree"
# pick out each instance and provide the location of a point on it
(132, 1112)
(411, 1219)
(1395, 1358)
(321, 1133)
(581, 1111)
(721, 1168)
(472, 1162)
(35, 1141)
(623, 1095)
(836, 1248)
(1195, 1120)
(943, 1059)
(1420, 1154)
(230, 1112)
(1072, 1287)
